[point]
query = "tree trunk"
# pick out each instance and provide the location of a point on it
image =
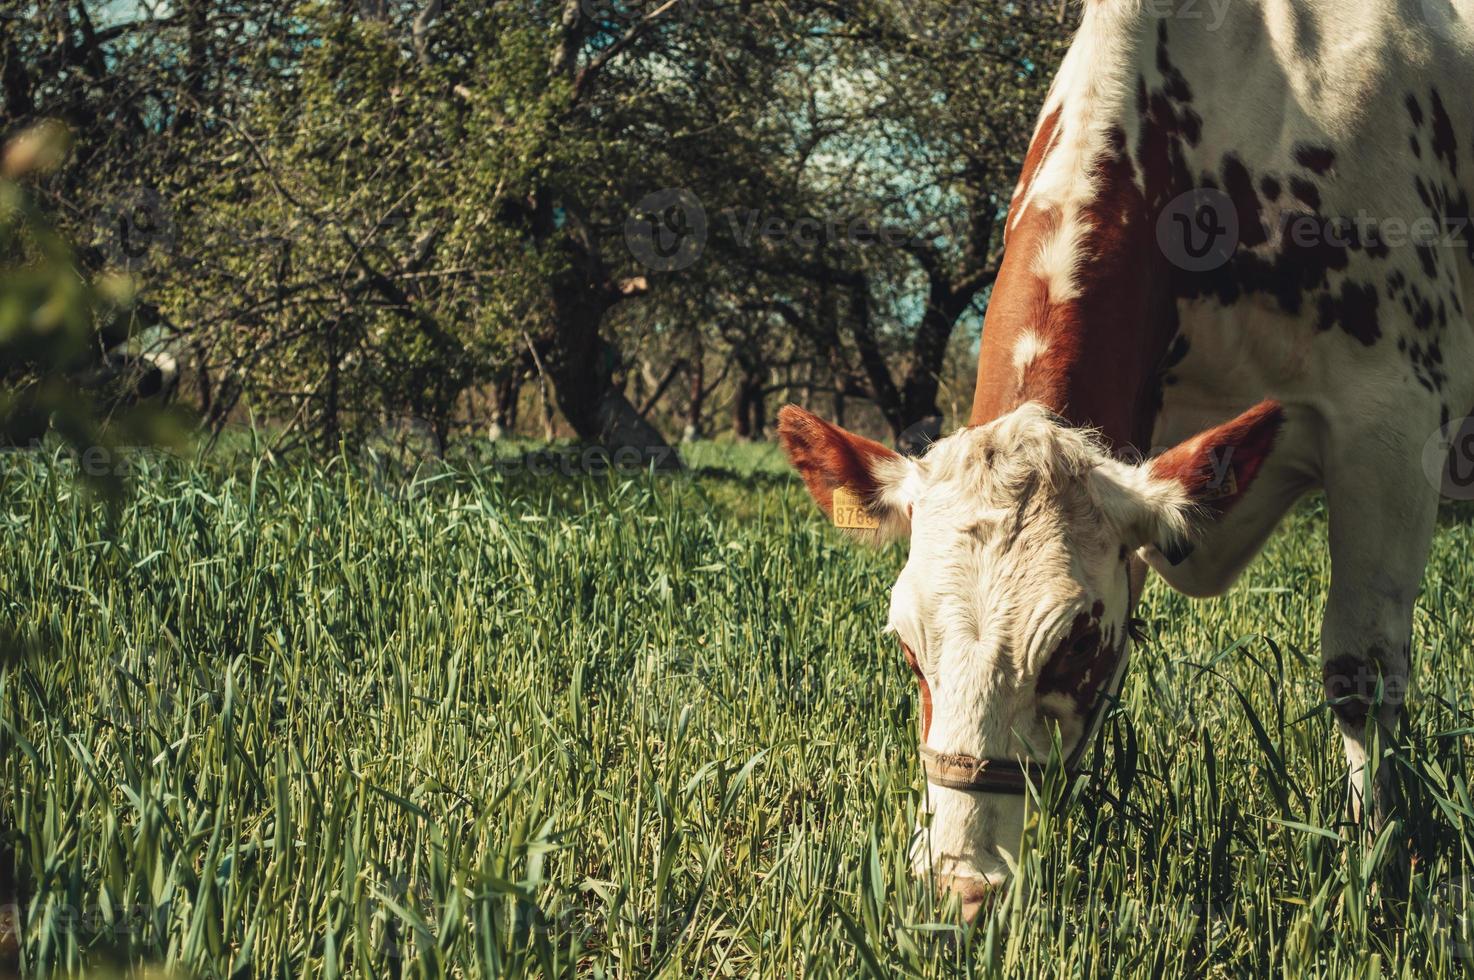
(749, 412)
(330, 407)
(582, 367)
(202, 369)
(928, 351)
(698, 399)
(883, 391)
(742, 416)
(841, 405)
(505, 393)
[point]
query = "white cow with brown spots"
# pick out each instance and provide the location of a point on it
(1247, 240)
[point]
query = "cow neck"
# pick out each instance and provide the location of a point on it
(1092, 349)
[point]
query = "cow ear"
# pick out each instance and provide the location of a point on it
(849, 471)
(1159, 502)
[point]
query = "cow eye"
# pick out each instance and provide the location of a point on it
(1086, 644)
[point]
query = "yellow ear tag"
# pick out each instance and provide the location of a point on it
(1227, 487)
(850, 513)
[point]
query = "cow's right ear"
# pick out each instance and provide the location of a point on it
(859, 484)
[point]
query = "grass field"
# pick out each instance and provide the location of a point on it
(283, 720)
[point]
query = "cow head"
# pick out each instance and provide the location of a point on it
(1014, 603)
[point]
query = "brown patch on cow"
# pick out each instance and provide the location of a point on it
(1045, 137)
(1106, 344)
(1316, 159)
(1217, 466)
(827, 456)
(1082, 662)
(925, 719)
(1103, 345)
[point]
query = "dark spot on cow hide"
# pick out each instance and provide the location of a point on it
(1417, 147)
(1239, 186)
(1458, 220)
(1445, 145)
(1423, 316)
(1424, 194)
(1428, 258)
(1317, 159)
(1270, 188)
(1173, 83)
(1377, 247)
(1427, 364)
(1414, 110)
(1355, 310)
(1305, 192)
(1349, 683)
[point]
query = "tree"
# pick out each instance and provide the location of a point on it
(946, 95)
(339, 215)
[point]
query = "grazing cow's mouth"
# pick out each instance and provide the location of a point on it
(972, 893)
(966, 794)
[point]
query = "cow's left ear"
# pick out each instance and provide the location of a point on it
(1159, 501)
(859, 484)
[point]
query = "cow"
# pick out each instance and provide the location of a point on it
(1237, 269)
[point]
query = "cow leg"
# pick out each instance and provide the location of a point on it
(1382, 516)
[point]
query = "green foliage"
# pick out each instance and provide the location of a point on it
(342, 274)
(52, 319)
(470, 719)
(339, 216)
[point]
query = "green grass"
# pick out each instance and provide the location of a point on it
(282, 720)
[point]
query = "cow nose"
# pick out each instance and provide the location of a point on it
(971, 892)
